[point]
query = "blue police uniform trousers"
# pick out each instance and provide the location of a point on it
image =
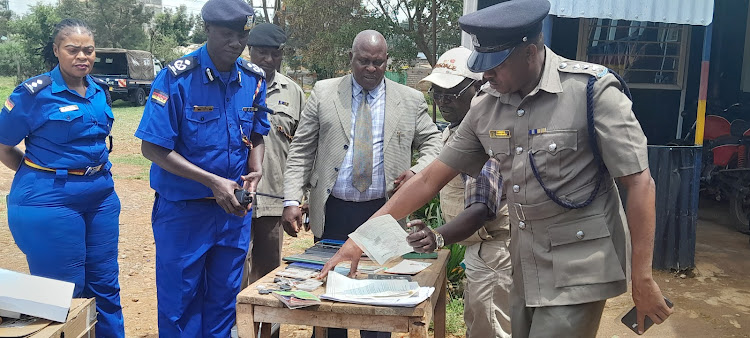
(200, 251)
(68, 228)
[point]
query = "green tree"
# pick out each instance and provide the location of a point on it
(116, 23)
(417, 25)
(32, 31)
(176, 25)
(198, 34)
(321, 36)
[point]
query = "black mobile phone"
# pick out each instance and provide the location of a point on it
(631, 318)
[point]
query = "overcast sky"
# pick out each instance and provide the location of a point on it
(21, 7)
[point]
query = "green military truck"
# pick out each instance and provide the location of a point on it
(128, 73)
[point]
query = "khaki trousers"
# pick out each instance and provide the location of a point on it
(264, 253)
(488, 284)
(574, 321)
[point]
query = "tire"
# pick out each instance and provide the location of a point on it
(739, 210)
(139, 97)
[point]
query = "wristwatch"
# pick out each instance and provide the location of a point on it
(438, 239)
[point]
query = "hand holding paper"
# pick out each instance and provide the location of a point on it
(382, 239)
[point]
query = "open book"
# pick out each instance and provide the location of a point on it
(382, 239)
(382, 292)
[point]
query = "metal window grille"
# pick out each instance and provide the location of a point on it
(646, 54)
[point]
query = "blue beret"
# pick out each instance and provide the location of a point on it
(267, 35)
(232, 14)
(497, 29)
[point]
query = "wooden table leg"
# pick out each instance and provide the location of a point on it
(439, 317)
(417, 329)
(265, 330)
(245, 321)
(321, 332)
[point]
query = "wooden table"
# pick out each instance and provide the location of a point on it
(253, 307)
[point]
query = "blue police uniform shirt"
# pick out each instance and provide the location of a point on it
(63, 130)
(203, 119)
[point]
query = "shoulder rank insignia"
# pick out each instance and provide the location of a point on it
(182, 65)
(569, 66)
(252, 67)
(35, 84)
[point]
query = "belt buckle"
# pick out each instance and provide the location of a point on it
(92, 170)
(518, 208)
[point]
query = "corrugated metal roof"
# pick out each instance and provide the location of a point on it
(689, 12)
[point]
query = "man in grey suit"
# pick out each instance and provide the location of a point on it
(354, 144)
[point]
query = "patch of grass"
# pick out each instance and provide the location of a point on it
(454, 317)
(300, 244)
(141, 164)
(7, 84)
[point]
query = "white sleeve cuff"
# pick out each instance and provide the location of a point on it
(289, 203)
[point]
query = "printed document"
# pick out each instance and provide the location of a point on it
(382, 292)
(382, 239)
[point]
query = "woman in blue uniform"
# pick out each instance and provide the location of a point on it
(62, 208)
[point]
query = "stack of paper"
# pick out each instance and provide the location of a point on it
(383, 292)
(297, 299)
(382, 239)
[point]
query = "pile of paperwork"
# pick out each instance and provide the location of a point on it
(382, 292)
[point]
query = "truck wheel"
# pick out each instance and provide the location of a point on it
(139, 97)
(739, 210)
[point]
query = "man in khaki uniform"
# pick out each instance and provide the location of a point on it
(569, 231)
(287, 99)
(474, 209)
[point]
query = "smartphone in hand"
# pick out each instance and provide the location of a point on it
(631, 319)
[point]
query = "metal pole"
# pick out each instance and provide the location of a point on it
(700, 119)
(434, 51)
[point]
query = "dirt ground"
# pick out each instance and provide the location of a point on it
(715, 302)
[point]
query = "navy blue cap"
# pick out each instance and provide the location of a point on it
(233, 14)
(266, 35)
(497, 29)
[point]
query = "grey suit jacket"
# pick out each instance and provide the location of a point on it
(317, 149)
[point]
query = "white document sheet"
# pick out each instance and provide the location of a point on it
(382, 239)
(381, 292)
(408, 267)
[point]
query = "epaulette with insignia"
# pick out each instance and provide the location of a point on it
(182, 65)
(592, 69)
(35, 84)
(252, 67)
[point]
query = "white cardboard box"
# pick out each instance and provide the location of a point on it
(35, 296)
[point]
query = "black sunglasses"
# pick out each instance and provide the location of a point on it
(449, 97)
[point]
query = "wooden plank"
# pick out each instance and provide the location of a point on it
(418, 327)
(339, 320)
(246, 320)
(439, 311)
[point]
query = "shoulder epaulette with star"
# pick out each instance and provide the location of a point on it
(569, 66)
(35, 84)
(252, 67)
(182, 65)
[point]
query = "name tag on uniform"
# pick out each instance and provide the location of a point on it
(71, 107)
(284, 103)
(203, 109)
(499, 133)
(249, 109)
